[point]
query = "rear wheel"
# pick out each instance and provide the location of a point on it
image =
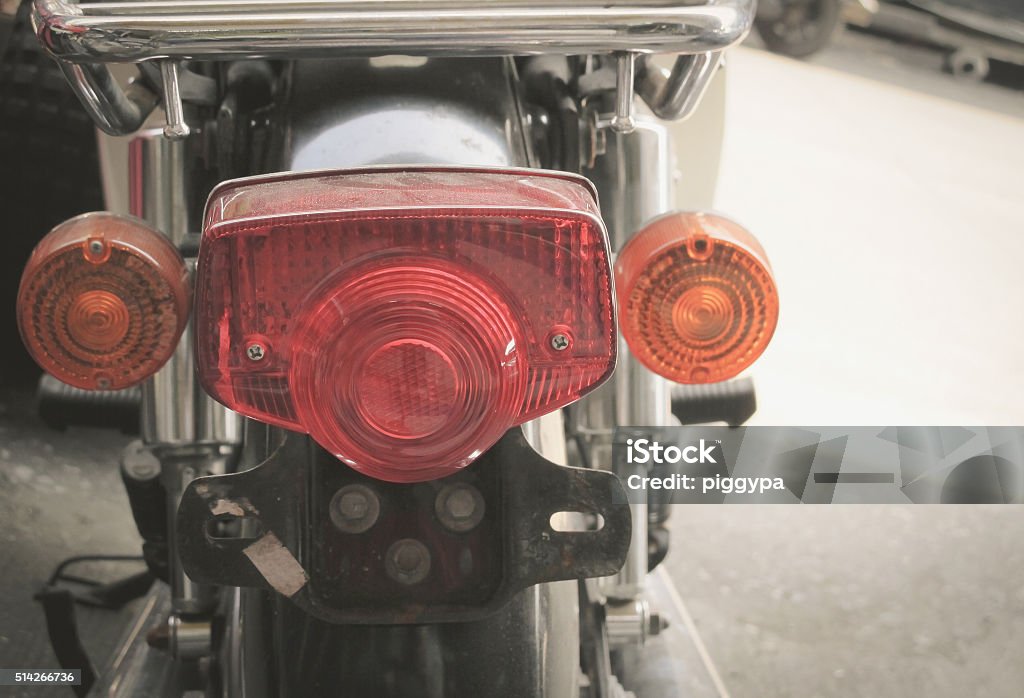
(798, 28)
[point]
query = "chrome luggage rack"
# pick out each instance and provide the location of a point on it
(84, 37)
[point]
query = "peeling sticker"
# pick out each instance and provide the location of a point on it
(225, 506)
(277, 565)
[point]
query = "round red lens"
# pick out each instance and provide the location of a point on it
(407, 369)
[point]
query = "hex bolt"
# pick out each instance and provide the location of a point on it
(354, 509)
(559, 342)
(353, 505)
(656, 623)
(460, 504)
(407, 561)
(255, 352)
(459, 507)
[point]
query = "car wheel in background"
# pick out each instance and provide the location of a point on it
(797, 28)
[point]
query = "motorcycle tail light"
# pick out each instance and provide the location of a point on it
(103, 301)
(697, 300)
(405, 318)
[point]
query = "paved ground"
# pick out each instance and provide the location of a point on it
(60, 495)
(888, 198)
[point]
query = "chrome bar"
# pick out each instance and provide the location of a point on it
(83, 35)
(115, 111)
(634, 179)
(191, 434)
(176, 128)
(674, 94)
(226, 29)
(625, 74)
(175, 410)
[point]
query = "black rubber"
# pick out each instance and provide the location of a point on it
(59, 609)
(51, 169)
(732, 402)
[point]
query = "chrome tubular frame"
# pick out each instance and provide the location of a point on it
(87, 36)
(190, 434)
(225, 29)
(634, 178)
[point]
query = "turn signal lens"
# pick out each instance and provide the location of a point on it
(697, 300)
(405, 318)
(103, 301)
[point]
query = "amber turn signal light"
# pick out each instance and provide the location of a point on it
(697, 300)
(103, 301)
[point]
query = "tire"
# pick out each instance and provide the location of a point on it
(803, 28)
(48, 143)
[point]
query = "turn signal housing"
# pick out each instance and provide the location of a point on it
(697, 300)
(103, 301)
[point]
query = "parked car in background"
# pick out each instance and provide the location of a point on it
(971, 32)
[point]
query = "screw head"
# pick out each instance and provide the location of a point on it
(255, 352)
(353, 505)
(459, 507)
(407, 561)
(354, 509)
(559, 341)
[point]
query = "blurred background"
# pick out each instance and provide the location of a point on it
(884, 178)
(877, 150)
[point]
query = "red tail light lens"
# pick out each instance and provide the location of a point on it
(404, 318)
(697, 299)
(103, 301)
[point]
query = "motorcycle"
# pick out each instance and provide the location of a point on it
(387, 338)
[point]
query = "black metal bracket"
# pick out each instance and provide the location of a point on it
(271, 527)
